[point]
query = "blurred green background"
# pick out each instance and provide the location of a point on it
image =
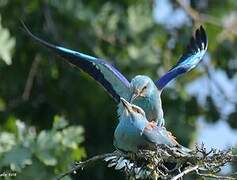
(52, 114)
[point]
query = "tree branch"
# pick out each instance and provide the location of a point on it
(201, 17)
(30, 79)
(188, 170)
(153, 164)
(81, 165)
(215, 176)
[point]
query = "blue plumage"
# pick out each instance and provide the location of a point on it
(142, 91)
(90, 65)
(189, 60)
(135, 132)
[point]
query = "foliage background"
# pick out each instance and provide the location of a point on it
(52, 114)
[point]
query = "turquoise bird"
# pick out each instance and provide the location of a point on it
(135, 132)
(141, 91)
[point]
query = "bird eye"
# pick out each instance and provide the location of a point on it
(144, 88)
(137, 110)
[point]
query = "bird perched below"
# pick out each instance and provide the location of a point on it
(141, 91)
(135, 132)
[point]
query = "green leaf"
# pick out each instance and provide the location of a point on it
(72, 136)
(79, 153)
(7, 44)
(47, 143)
(36, 171)
(59, 122)
(7, 141)
(18, 157)
(139, 17)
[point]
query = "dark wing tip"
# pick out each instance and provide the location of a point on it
(30, 34)
(25, 28)
(197, 45)
(198, 41)
(203, 35)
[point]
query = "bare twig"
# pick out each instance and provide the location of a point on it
(30, 79)
(186, 171)
(83, 164)
(215, 176)
(201, 17)
(152, 164)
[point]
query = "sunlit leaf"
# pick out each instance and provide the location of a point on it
(18, 157)
(72, 136)
(59, 122)
(7, 141)
(7, 44)
(139, 17)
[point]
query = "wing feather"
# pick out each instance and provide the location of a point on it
(159, 135)
(193, 55)
(102, 71)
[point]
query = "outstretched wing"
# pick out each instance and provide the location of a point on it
(103, 72)
(189, 60)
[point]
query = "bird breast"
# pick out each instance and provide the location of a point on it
(127, 137)
(152, 106)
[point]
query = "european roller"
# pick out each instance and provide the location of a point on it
(135, 132)
(141, 91)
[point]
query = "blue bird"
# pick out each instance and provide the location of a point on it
(141, 91)
(135, 132)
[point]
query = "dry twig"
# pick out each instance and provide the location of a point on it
(153, 164)
(201, 17)
(30, 79)
(81, 165)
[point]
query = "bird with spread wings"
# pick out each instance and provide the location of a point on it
(141, 90)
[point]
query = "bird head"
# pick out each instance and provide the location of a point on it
(142, 87)
(132, 110)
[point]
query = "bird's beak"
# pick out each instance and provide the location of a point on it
(134, 96)
(126, 105)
